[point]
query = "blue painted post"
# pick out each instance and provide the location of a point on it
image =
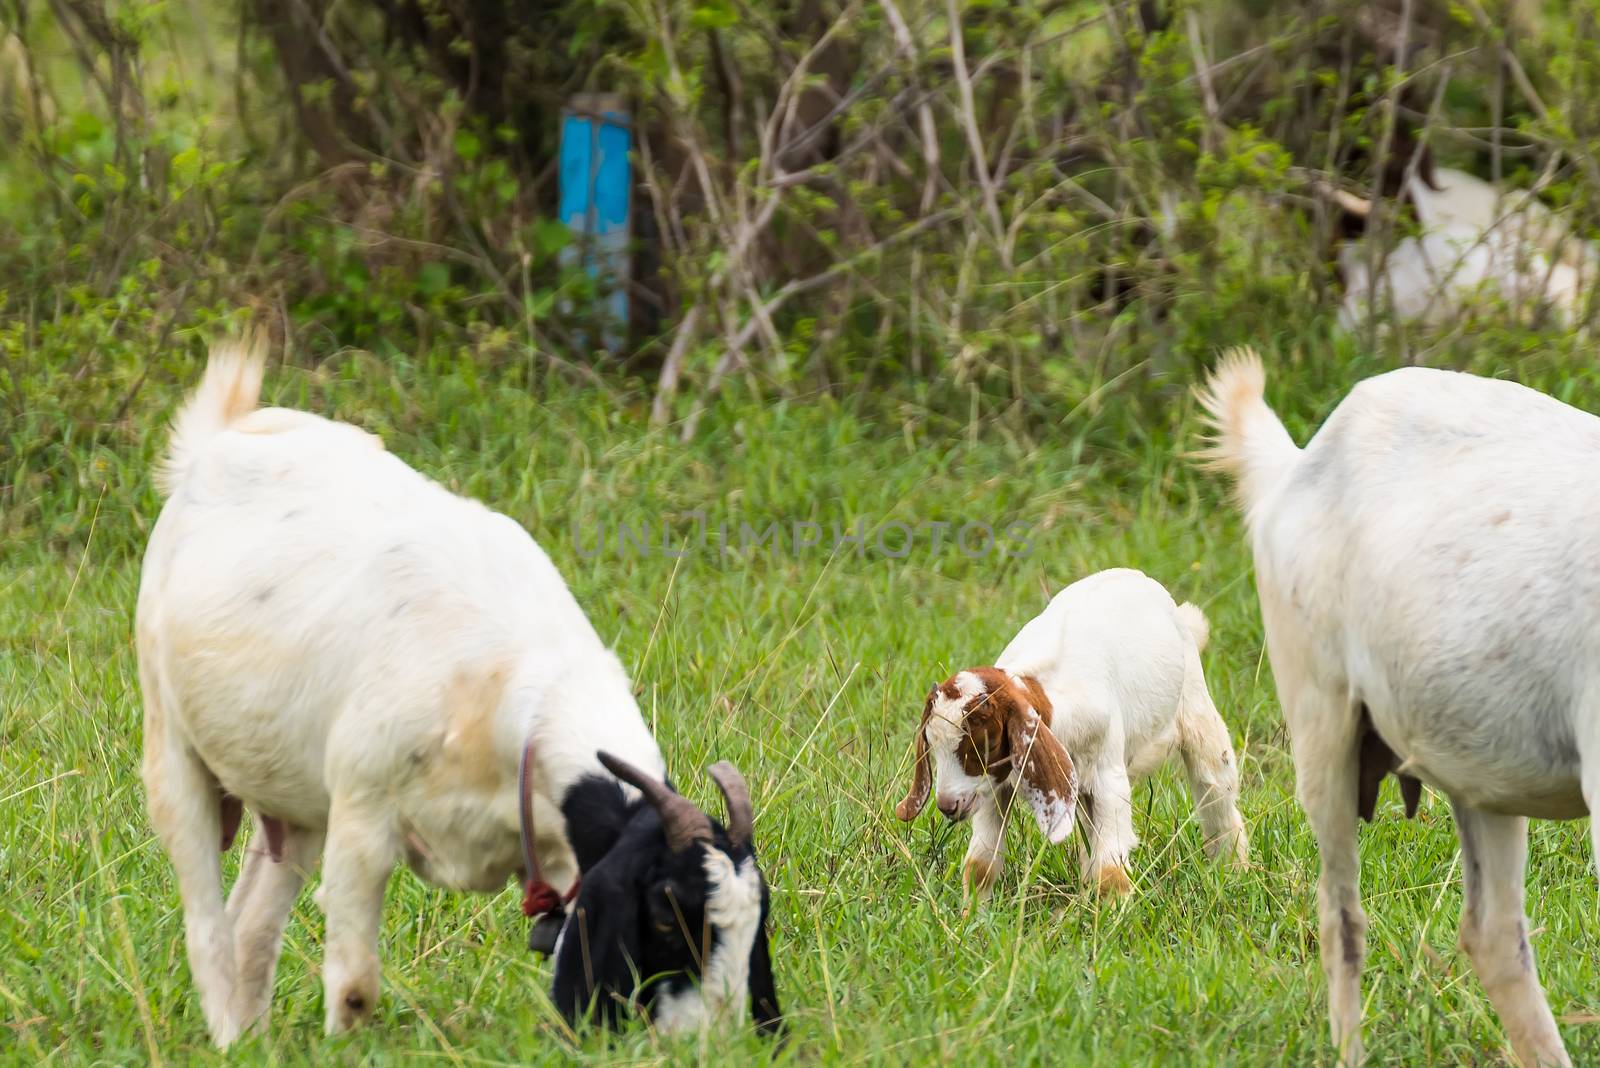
(596, 188)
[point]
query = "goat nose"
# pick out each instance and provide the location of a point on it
(950, 807)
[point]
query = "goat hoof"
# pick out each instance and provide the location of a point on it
(544, 932)
(1113, 883)
(350, 1008)
(978, 876)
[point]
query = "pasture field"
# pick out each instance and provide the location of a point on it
(806, 667)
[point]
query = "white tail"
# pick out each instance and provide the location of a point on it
(1194, 621)
(228, 391)
(1248, 441)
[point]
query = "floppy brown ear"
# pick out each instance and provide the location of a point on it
(921, 776)
(1048, 781)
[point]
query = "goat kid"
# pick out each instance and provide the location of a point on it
(1426, 570)
(364, 659)
(1091, 696)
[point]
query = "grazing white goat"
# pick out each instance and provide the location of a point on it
(1429, 575)
(1111, 671)
(362, 658)
(1474, 238)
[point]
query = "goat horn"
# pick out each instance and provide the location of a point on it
(681, 821)
(741, 821)
(1347, 201)
(1353, 204)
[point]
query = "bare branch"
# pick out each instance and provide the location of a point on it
(969, 122)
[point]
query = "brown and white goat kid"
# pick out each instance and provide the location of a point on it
(1429, 574)
(1092, 695)
(362, 658)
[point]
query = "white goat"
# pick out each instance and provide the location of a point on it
(1429, 575)
(1474, 238)
(358, 655)
(1111, 671)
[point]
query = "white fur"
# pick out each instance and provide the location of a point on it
(1475, 239)
(1430, 557)
(733, 907)
(356, 651)
(1120, 663)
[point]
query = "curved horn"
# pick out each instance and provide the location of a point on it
(741, 820)
(1346, 201)
(681, 821)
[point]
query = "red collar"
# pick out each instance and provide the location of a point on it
(538, 896)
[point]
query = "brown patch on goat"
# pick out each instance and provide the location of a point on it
(1036, 697)
(1376, 761)
(1112, 881)
(1009, 716)
(994, 720)
(467, 754)
(979, 874)
(1009, 722)
(984, 749)
(1046, 766)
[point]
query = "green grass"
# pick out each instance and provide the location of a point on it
(806, 670)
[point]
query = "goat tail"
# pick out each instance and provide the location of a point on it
(228, 391)
(1248, 441)
(1194, 621)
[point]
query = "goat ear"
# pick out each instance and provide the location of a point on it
(596, 959)
(1048, 781)
(596, 815)
(921, 776)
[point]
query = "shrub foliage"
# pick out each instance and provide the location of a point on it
(1012, 207)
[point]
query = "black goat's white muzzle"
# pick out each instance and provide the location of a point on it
(733, 908)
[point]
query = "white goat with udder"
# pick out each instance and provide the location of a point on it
(357, 655)
(1429, 575)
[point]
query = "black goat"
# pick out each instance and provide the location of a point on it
(672, 905)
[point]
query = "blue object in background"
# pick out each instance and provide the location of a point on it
(596, 193)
